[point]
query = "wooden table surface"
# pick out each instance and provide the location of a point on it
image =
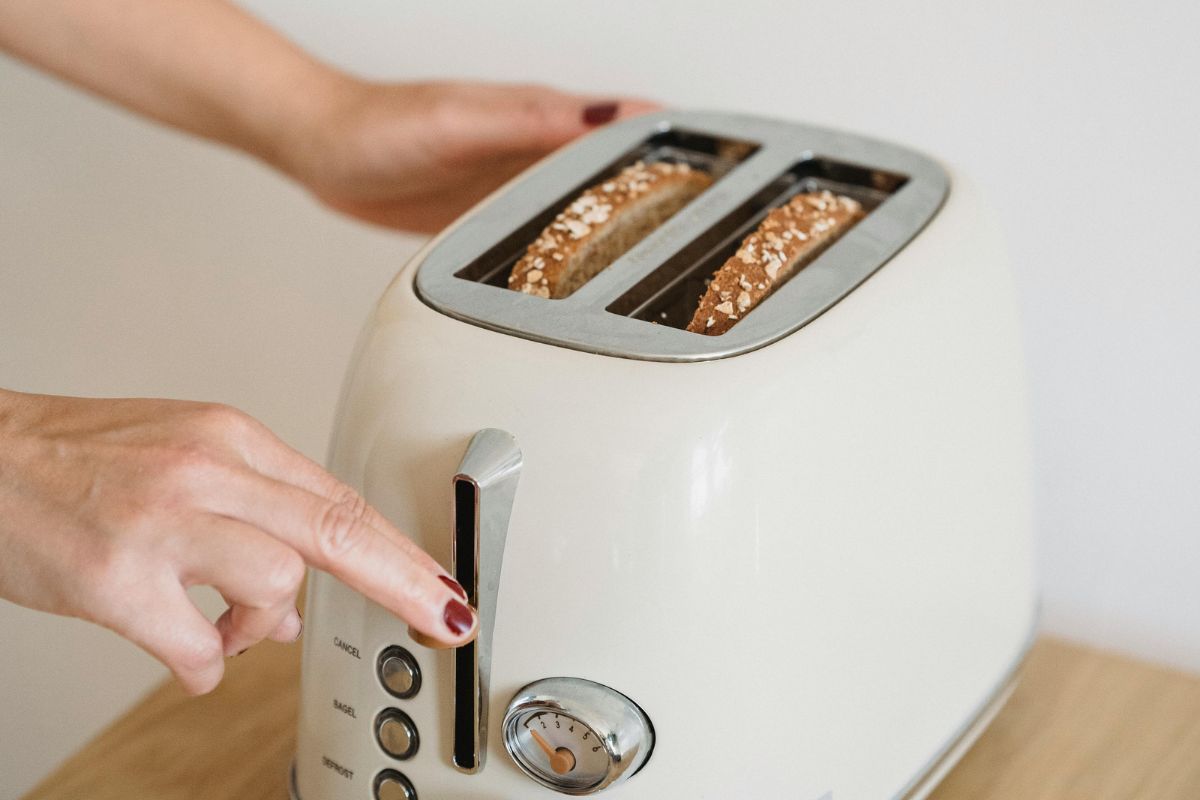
(1082, 725)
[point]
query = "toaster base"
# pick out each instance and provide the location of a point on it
(937, 769)
(933, 774)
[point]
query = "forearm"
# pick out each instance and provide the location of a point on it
(203, 66)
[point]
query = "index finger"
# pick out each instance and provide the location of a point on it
(275, 459)
(352, 541)
(342, 529)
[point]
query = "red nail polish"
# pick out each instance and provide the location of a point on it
(458, 618)
(454, 585)
(599, 113)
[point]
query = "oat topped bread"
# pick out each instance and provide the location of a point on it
(602, 224)
(788, 237)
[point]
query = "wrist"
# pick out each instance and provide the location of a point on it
(307, 139)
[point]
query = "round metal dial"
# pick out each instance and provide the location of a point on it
(576, 736)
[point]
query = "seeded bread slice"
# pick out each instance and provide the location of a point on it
(603, 224)
(788, 238)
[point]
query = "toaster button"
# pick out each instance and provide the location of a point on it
(396, 733)
(391, 785)
(399, 673)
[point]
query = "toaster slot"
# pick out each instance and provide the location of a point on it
(466, 508)
(670, 294)
(484, 490)
(710, 154)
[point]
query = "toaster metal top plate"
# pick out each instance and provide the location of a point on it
(615, 312)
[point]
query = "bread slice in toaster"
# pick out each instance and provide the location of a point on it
(783, 242)
(602, 224)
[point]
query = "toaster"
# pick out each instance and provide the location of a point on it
(789, 561)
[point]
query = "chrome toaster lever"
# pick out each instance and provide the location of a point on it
(484, 490)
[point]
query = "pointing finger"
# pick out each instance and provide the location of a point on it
(352, 541)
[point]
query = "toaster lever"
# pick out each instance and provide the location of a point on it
(484, 490)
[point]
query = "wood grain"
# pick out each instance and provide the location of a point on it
(234, 743)
(1082, 725)
(1086, 725)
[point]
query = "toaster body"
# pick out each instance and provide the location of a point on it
(805, 561)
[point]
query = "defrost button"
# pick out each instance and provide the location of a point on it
(392, 785)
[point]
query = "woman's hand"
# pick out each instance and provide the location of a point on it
(411, 156)
(415, 156)
(110, 509)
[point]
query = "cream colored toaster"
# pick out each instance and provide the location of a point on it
(789, 561)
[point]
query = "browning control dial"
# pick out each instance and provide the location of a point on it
(576, 736)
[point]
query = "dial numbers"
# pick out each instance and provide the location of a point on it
(561, 749)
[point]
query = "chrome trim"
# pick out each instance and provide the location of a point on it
(397, 719)
(582, 321)
(492, 464)
(407, 667)
(622, 726)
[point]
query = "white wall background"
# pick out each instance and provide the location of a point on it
(136, 262)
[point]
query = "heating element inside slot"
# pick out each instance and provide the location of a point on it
(669, 295)
(711, 154)
(466, 664)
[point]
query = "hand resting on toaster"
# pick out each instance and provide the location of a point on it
(406, 155)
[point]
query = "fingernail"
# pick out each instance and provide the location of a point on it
(454, 585)
(458, 618)
(599, 113)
